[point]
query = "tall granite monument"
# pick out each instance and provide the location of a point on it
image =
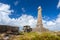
(39, 26)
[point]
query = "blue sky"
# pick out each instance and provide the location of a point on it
(24, 12)
(49, 7)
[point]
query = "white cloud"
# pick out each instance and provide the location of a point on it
(4, 13)
(58, 6)
(25, 19)
(53, 24)
(21, 21)
(16, 3)
(23, 9)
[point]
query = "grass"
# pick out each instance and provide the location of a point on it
(37, 36)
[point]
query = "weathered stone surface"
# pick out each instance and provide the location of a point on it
(8, 29)
(27, 28)
(39, 26)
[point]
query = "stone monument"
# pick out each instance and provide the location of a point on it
(39, 26)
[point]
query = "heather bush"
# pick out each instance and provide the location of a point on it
(39, 36)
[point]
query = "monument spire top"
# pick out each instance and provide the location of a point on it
(39, 7)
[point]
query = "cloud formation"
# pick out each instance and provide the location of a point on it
(58, 6)
(53, 24)
(21, 21)
(23, 9)
(5, 11)
(16, 3)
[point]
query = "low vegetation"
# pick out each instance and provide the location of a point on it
(37, 36)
